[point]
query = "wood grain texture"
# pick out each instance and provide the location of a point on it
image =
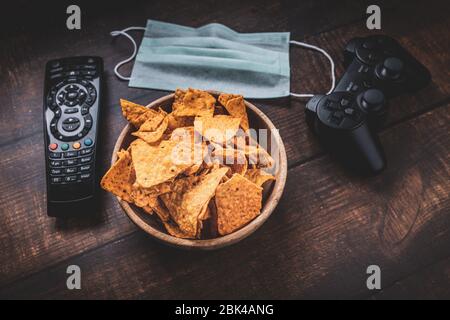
(318, 243)
(302, 251)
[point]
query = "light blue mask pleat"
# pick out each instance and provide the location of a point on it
(213, 57)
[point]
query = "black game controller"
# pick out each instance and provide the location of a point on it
(346, 120)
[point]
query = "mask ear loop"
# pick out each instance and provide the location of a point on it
(333, 77)
(121, 63)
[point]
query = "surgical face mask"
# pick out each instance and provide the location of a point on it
(213, 57)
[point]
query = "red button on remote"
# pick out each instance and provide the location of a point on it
(53, 146)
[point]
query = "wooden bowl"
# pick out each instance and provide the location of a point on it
(150, 223)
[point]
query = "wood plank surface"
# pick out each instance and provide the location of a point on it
(313, 222)
(327, 229)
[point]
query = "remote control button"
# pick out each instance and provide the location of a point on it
(88, 142)
(85, 176)
(71, 170)
(56, 179)
(72, 87)
(53, 146)
(85, 151)
(90, 60)
(53, 106)
(87, 121)
(70, 178)
(64, 147)
(85, 168)
(56, 70)
(61, 97)
(55, 64)
(55, 76)
(55, 172)
(85, 159)
(55, 163)
(89, 67)
(71, 124)
(53, 125)
(70, 154)
(57, 112)
(84, 110)
(76, 145)
(71, 103)
(82, 95)
(71, 110)
(88, 73)
(54, 155)
(72, 73)
(70, 162)
(72, 95)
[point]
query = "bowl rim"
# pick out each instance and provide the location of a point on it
(229, 239)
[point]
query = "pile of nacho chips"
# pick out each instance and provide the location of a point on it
(196, 168)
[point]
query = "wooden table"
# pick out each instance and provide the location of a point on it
(329, 226)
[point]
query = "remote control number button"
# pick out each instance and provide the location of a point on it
(55, 163)
(85, 159)
(56, 179)
(85, 168)
(55, 172)
(70, 162)
(70, 179)
(55, 155)
(71, 170)
(70, 154)
(85, 176)
(85, 151)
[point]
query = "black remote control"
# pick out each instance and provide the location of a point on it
(346, 120)
(72, 105)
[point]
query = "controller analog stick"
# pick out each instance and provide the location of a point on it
(372, 100)
(392, 68)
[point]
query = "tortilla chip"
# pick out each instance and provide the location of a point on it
(218, 109)
(143, 197)
(177, 122)
(153, 123)
(179, 95)
(225, 97)
(135, 113)
(219, 129)
(155, 164)
(258, 176)
(119, 178)
(189, 197)
(236, 108)
(238, 201)
(153, 136)
(232, 158)
(195, 103)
